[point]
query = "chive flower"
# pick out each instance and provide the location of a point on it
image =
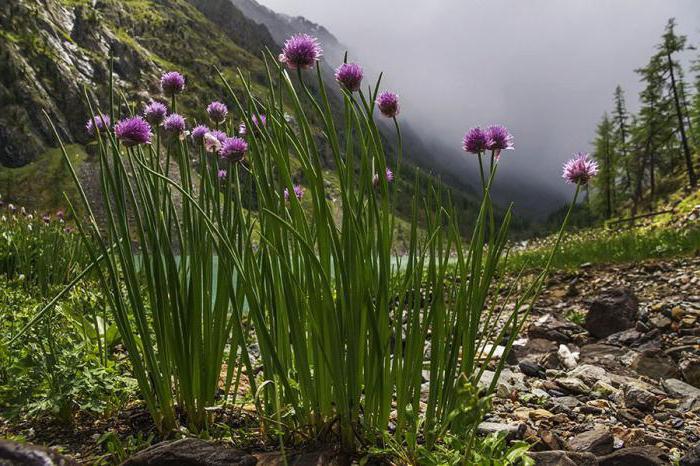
(174, 124)
(172, 83)
(155, 113)
(580, 169)
(388, 103)
(133, 131)
(233, 149)
(198, 132)
(498, 138)
(99, 122)
(211, 142)
(301, 51)
(242, 130)
(259, 123)
(389, 177)
(298, 192)
(349, 76)
(217, 112)
(475, 141)
(221, 174)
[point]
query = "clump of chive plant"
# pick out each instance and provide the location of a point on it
(341, 324)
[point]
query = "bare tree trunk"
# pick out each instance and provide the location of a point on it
(679, 113)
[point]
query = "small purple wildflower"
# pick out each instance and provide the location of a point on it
(60, 214)
(172, 83)
(298, 192)
(155, 113)
(242, 130)
(301, 51)
(175, 125)
(580, 169)
(388, 103)
(100, 122)
(349, 75)
(133, 131)
(221, 174)
(498, 138)
(46, 218)
(217, 112)
(198, 133)
(233, 149)
(475, 141)
(220, 135)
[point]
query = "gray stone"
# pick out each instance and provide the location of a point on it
(692, 457)
(598, 441)
(679, 389)
(590, 374)
(573, 385)
(655, 364)
(611, 312)
(637, 397)
(190, 452)
(563, 458)
(512, 431)
(634, 456)
(24, 454)
(550, 327)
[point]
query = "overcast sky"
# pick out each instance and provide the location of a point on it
(545, 68)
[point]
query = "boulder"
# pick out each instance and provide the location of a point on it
(611, 312)
(190, 452)
(563, 458)
(637, 397)
(679, 389)
(598, 441)
(25, 454)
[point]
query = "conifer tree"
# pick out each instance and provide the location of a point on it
(620, 121)
(604, 154)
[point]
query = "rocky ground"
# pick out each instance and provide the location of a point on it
(608, 371)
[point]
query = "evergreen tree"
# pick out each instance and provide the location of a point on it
(620, 121)
(604, 154)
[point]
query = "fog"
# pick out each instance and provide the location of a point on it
(547, 69)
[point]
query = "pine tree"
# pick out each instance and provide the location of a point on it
(604, 154)
(620, 120)
(671, 45)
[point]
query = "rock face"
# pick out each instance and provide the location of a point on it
(611, 312)
(190, 452)
(20, 454)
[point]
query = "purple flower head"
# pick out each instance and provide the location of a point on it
(298, 192)
(221, 174)
(217, 112)
(198, 133)
(46, 218)
(60, 214)
(580, 169)
(233, 149)
(155, 113)
(498, 138)
(133, 131)
(242, 130)
(211, 142)
(100, 122)
(388, 103)
(175, 124)
(172, 83)
(389, 177)
(475, 141)
(301, 51)
(349, 75)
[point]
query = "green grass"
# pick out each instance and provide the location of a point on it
(40, 185)
(601, 246)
